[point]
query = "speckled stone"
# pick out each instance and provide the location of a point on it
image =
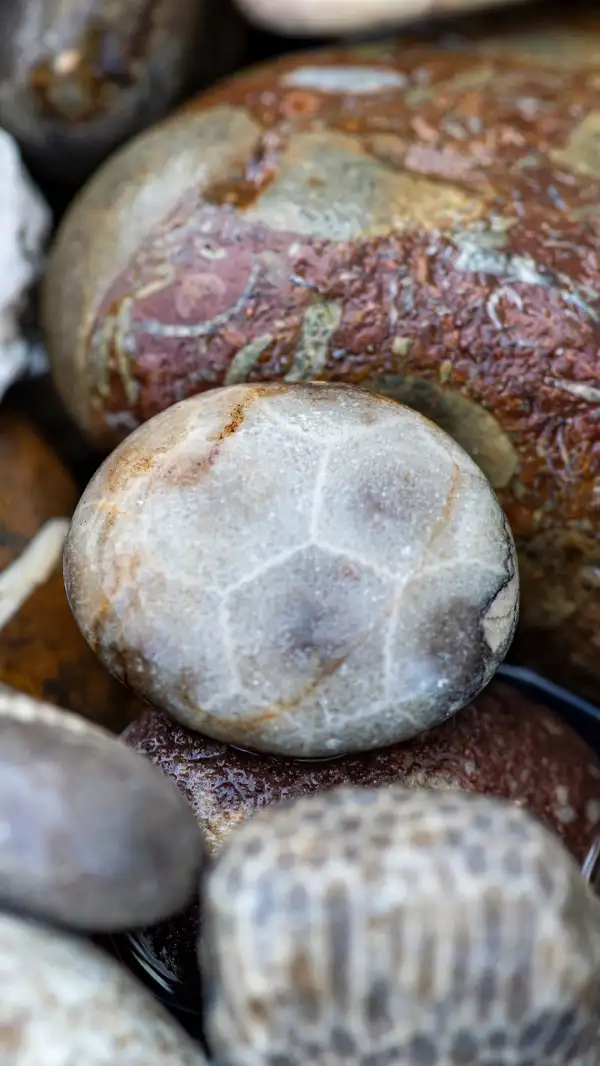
(42, 651)
(502, 744)
(77, 77)
(397, 927)
(419, 216)
(350, 16)
(303, 569)
(65, 1002)
(91, 835)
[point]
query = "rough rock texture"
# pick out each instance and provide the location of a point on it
(389, 926)
(349, 16)
(502, 744)
(24, 226)
(303, 569)
(91, 835)
(77, 77)
(65, 1002)
(420, 217)
(42, 651)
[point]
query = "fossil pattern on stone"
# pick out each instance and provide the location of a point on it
(307, 569)
(385, 925)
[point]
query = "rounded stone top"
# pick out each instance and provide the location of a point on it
(302, 569)
(393, 926)
(91, 835)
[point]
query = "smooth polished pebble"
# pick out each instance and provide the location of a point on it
(91, 835)
(302, 569)
(66, 1003)
(399, 927)
(351, 16)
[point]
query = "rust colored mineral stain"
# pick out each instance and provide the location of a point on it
(485, 315)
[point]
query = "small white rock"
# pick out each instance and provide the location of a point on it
(64, 1002)
(25, 221)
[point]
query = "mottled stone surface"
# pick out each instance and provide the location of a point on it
(390, 926)
(65, 1002)
(349, 16)
(419, 216)
(24, 227)
(77, 77)
(92, 836)
(304, 569)
(502, 744)
(42, 651)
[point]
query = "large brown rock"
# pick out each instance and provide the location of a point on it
(501, 745)
(417, 217)
(77, 77)
(42, 652)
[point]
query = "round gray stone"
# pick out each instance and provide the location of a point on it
(66, 1003)
(91, 834)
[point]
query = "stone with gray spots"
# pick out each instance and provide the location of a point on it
(66, 1003)
(91, 835)
(397, 928)
(301, 569)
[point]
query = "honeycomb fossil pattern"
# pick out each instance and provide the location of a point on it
(378, 927)
(305, 569)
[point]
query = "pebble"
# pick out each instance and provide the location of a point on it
(42, 651)
(396, 926)
(502, 744)
(78, 77)
(338, 17)
(65, 1002)
(419, 216)
(301, 569)
(24, 226)
(91, 835)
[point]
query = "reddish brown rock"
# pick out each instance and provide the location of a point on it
(502, 744)
(417, 217)
(42, 651)
(77, 77)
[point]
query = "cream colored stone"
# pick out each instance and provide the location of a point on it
(347, 16)
(305, 569)
(65, 1002)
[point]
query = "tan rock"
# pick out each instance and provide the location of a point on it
(42, 652)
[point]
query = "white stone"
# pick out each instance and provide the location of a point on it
(66, 1003)
(349, 16)
(24, 225)
(304, 569)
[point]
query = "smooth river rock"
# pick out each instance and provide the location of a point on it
(301, 569)
(386, 926)
(502, 744)
(78, 77)
(338, 17)
(419, 216)
(66, 1003)
(42, 651)
(91, 835)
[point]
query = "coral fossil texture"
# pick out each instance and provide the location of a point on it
(420, 217)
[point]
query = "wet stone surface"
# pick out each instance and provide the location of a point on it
(93, 837)
(409, 211)
(42, 651)
(64, 1001)
(343, 576)
(503, 744)
(397, 926)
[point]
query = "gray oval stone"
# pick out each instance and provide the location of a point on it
(91, 835)
(65, 1002)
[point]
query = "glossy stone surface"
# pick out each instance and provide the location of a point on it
(303, 569)
(42, 651)
(418, 216)
(93, 836)
(502, 744)
(399, 927)
(65, 1002)
(337, 17)
(77, 77)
